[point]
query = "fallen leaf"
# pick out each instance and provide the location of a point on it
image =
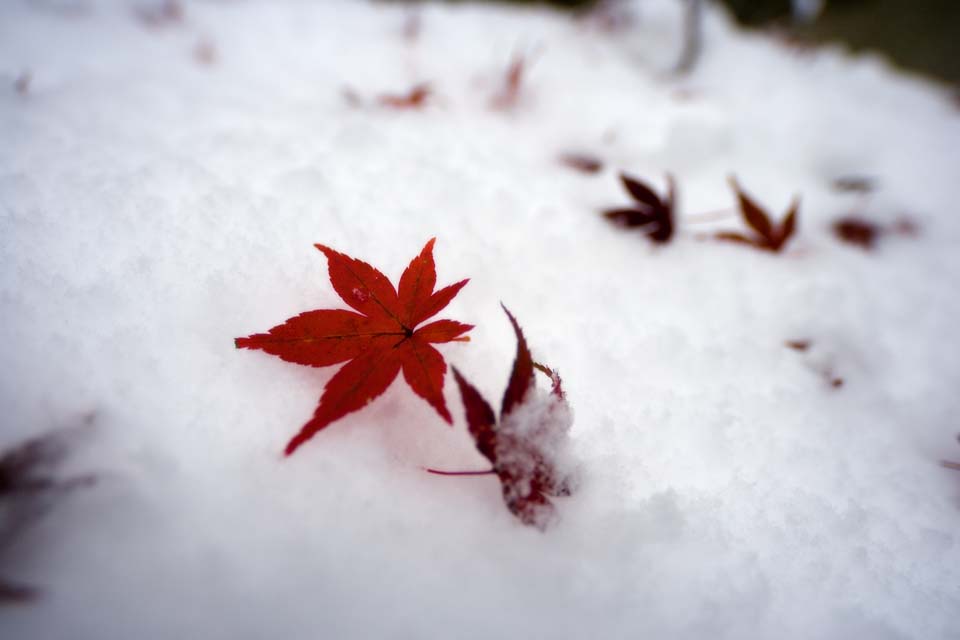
(582, 162)
(857, 231)
(651, 212)
(509, 93)
(766, 235)
(525, 446)
(416, 98)
(798, 345)
(377, 343)
(29, 486)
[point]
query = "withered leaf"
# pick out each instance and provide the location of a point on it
(766, 235)
(415, 98)
(582, 162)
(655, 215)
(857, 231)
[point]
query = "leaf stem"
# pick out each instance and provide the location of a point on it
(709, 216)
(440, 472)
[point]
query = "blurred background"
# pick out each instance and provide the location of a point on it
(916, 35)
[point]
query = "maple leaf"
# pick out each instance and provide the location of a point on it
(524, 445)
(651, 212)
(377, 343)
(767, 236)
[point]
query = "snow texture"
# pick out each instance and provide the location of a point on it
(163, 180)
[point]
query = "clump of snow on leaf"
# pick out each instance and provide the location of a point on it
(533, 447)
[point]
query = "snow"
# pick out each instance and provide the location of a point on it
(157, 202)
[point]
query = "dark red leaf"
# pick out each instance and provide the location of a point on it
(629, 217)
(481, 421)
(788, 226)
(857, 231)
(521, 449)
(640, 192)
(376, 343)
(651, 212)
(521, 378)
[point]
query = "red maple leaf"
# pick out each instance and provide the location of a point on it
(523, 447)
(379, 341)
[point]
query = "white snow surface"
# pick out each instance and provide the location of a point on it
(154, 207)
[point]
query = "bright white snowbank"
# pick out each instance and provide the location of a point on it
(152, 208)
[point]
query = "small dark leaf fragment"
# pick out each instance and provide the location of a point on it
(521, 377)
(509, 94)
(582, 162)
(857, 231)
(798, 345)
(416, 98)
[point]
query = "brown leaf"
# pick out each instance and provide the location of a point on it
(416, 98)
(582, 162)
(766, 235)
(752, 213)
(857, 231)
